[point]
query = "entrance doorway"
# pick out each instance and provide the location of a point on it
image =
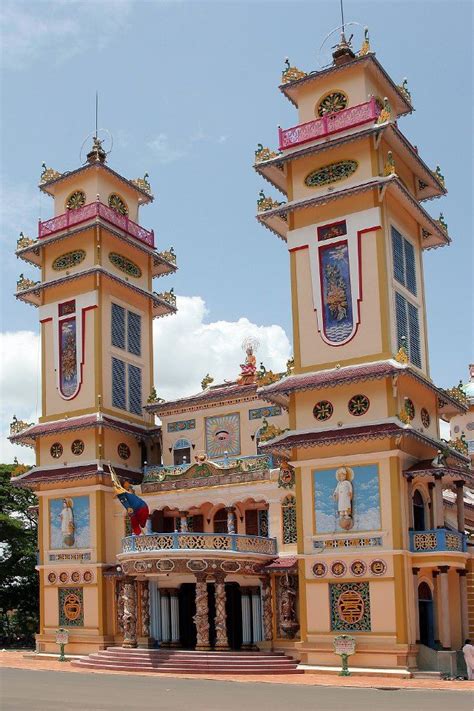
(426, 615)
(187, 610)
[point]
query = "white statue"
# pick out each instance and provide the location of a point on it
(468, 651)
(343, 495)
(67, 522)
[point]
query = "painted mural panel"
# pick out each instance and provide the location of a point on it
(347, 498)
(71, 607)
(260, 412)
(350, 607)
(68, 369)
(69, 523)
(223, 435)
(338, 317)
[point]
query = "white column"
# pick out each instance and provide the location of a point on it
(155, 610)
(415, 572)
(174, 600)
(165, 617)
(464, 609)
(257, 616)
(444, 618)
(439, 511)
(460, 505)
(411, 524)
(246, 621)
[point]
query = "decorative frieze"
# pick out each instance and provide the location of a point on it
(181, 425)
(259, 412)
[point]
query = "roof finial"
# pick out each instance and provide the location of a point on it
(343, 51)
(96, 112)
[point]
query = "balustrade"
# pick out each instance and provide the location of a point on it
(440, 539)
(238, 543)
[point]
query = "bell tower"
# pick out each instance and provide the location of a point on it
(96, 307)
(363, 411)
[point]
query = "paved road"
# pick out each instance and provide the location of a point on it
(23, 690)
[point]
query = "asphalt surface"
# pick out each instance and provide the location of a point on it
(26, 690)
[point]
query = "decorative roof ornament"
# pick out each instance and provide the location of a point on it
(439, 176)
(460, 444)
(25, 283)
(169, 255)
(262, 153)
(267, 377)
(153, 398)
(389, 167)
(17, 426)
(458, 393)
(268, 431)
(404, 417)
(290, 73)
(24, 241)
(206, 381)
(365, 48)
(48, 174)
(168, 296)
(266, 203)
(290, 365)
(402, 355)
(143, 183)
(386, 112)
(403, 88)
(442, 223)
(343, 51)
(248, 370)
(97, 153)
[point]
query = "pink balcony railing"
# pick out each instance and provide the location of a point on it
(331, 123)
(96, 209)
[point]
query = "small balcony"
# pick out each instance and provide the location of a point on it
(72, 218)
(217, 543)
(329, 124)
(439, 539)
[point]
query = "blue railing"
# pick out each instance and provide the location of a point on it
(439, 539)
(252, 462)
(220, 542)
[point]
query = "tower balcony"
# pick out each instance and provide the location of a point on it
(327, 125)
(91, 212)
(223, 544)
(438, 539)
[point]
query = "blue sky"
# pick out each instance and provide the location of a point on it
(188, 89)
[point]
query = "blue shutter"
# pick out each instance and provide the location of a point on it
(134, 389)
(410, 269)
(414, 342)
(134, 333)
(118, 326)
(118, 384)
(398, 258)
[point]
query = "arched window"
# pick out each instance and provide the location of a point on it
(418, 512)
(426, 614)
(288, 517)
(182, 452)
(220, 521)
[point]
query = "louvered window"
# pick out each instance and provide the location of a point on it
(118, 384)
(408, 328)
(118, 326)
(404, 268)
(134, 332)
(134, 389)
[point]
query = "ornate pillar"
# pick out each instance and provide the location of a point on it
(230, 519)
(144, 597)
(460, 505)
(436, 608)
(256, 615)
(267, 609)
(119, 600)
(439, 520)
(220, 619)
(201, 618)
(432, 521)
(415, 572)
(165, 618)
(129, 613)
(411, 523)
(174, 614)
(464, 609)
(183, 517)
(444, 618)
(246, 620)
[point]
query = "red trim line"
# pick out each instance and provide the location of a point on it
(296, 249)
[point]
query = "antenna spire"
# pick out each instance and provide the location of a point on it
(342, 16)
(97, 110)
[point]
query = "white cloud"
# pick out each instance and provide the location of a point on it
(165, 151)
(60, 30)
(186, 348)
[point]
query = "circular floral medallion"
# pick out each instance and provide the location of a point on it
(87, 577)
(378, 567)
(125, 265)
(409, 408)
(320, 570)
(75, 576)
(52, 578)
(75, 200)
(77, 447)
(470, 426)
(123, 450)
(425, 417)
(117, 204)
(350, 607)
(335, 101)
(323, 410)
(338, 568)
(69, 260)
(358, 568)
(63, 577)
(56, 450)
(330, 173)
(358, 405)
(72, 607)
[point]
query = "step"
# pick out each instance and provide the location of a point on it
(426, 675)
(189, 658)
(190, 652)
(179, 670)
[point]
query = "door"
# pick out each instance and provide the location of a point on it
(426, 614)
(187, 610)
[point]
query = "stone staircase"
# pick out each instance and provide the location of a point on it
(167, 661)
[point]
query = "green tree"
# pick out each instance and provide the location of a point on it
(19, 590)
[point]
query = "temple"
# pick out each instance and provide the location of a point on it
(280, 509)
